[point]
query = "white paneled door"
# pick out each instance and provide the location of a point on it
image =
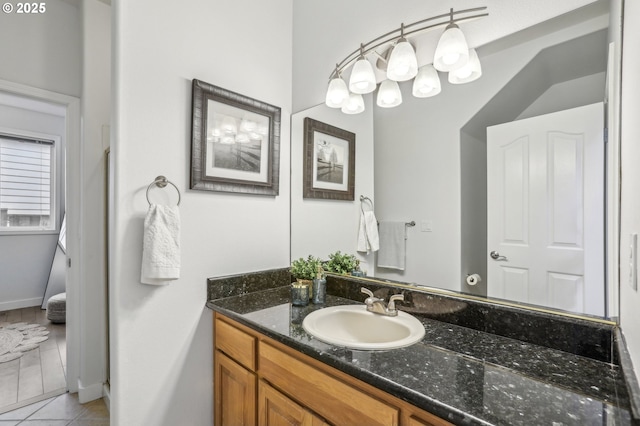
(545, 178)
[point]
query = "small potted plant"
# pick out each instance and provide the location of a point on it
(340, 263)
(304, 271)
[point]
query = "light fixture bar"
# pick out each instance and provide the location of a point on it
(392, 36)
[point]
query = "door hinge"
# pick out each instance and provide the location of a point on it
(606, 135)
(68, 262)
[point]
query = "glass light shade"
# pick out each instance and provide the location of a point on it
(427, 82)
(362, 79)
(354, 105)
(452, 51)
(242, 138)
(337, 93)
(470, 72)
(403, 64)
(229, 125)
(248, 125)
(389, 94)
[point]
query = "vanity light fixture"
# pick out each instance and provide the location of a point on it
(398, 56)
(354, 104)
(389, 94)
(426, 83)
(338, 93)
(452, 51)
(363, 79)
(403, 64)
(469, 72)
(229, 125)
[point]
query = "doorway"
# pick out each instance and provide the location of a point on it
(72, 162)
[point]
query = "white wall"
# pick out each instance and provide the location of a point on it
(569, 94)
(26, 259)
(96, 114)
(630, 155)
(161, 337)
(312, 220)
(473, 213)
(417, 155)
(43, 50)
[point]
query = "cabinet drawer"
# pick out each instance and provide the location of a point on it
(335, 400)
(236, 343)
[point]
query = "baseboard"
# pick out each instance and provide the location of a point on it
(18, 304)
(106, 396)
(89, 393)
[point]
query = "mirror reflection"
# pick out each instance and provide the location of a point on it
(505, 178)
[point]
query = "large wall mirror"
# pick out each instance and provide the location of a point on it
(466, 168)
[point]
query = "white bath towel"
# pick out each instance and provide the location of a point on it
(368, 238)
(392, 245)
(161, 245)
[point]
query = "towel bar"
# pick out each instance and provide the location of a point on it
(363, 199)
(161, 182)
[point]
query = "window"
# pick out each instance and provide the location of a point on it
(26, 184)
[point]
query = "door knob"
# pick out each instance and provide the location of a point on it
(497, 256)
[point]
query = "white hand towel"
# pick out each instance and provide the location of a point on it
(368, 239)
(392, 245)
(371, 226)
(363, 244)
(161, 245)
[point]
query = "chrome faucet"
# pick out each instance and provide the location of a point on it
(377, 305)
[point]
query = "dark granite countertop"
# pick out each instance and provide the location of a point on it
(466, 376)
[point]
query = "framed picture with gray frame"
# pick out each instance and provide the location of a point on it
(235, 142)
(329, 167)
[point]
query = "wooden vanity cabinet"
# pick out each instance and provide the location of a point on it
(275, 409)
(234, 393)
(260, 381)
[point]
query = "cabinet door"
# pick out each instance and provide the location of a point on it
(234, 393)
(275, 409)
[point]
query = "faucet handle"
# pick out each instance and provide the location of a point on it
(392, 301)
(366, 291)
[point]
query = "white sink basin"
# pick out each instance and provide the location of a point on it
(354, 327)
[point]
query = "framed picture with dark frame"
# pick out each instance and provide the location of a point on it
(329, 168)
(235, 142)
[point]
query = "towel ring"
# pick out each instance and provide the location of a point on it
(363, 199)
(161, 182)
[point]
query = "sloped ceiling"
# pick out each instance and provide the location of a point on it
(566, 61)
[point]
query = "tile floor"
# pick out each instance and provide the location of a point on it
(62, 410)
(39, 373)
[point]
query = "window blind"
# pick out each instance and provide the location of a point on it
(25, 182)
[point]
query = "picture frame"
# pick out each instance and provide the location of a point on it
(235, 142)
(329, 167)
